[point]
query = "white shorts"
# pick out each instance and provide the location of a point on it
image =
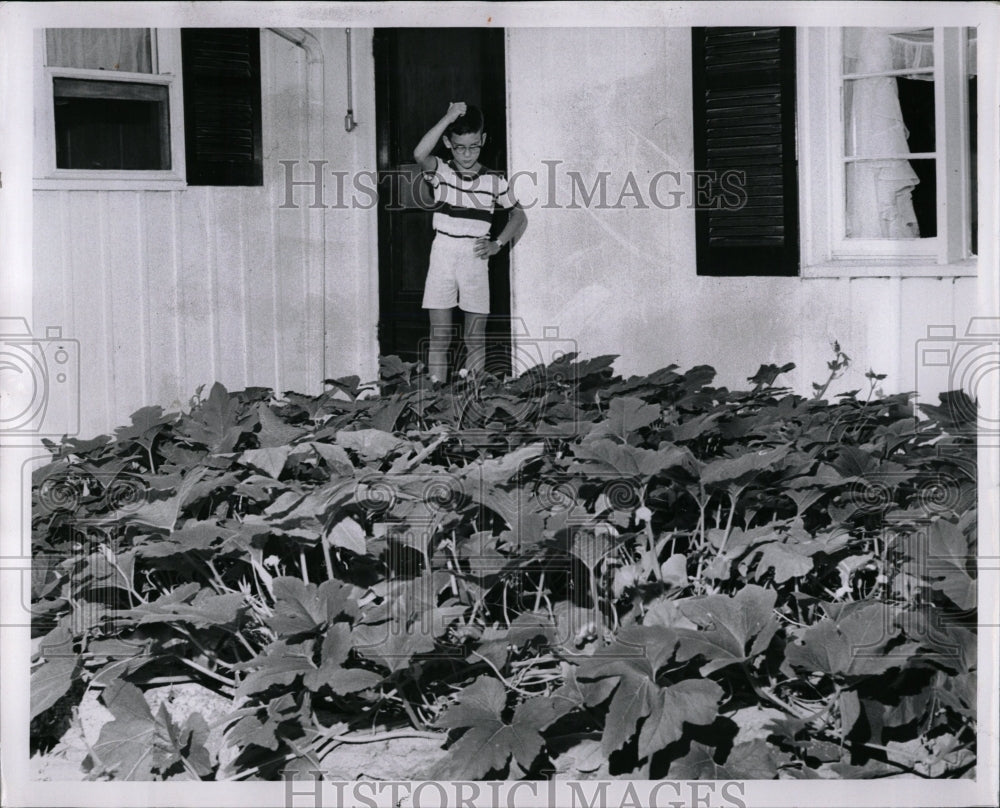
(456, 276)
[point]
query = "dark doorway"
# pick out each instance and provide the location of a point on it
(418, 72)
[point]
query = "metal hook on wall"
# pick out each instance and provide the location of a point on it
(349, 123)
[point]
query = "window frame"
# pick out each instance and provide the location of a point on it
(166, 61)
(824, 252)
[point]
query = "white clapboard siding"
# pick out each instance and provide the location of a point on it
(169, 290)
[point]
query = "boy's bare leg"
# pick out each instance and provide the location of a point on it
(475, 341)
(437, 352)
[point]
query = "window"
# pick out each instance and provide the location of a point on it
(901, 183)
(109, 108)
(144, 108)
(864, 136)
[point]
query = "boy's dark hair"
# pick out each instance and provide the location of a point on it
(471, 123)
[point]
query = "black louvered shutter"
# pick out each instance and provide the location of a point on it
(744, 121)
(222, 128)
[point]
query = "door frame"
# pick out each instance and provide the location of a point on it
(499, 327)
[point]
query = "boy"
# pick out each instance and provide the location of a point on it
(466, 194)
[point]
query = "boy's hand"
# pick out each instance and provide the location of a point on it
(456, 109)
(486, 248)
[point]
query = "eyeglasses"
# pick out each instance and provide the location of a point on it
(466, 149)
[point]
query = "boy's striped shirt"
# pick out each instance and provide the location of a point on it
(465, 204)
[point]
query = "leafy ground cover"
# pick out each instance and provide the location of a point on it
(565, 572)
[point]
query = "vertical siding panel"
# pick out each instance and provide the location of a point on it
(924, 302)
(262, 242)
(50, 288)
(85, 274)
(164, 370)
(180, 334)
(963, 302)
(66, 264)
(291, 253)
(123, 298)
(195, 289)
(248, 347)
(212, 273)
(228, 273)
(820, 324)
(141, 269)
(260, 286)
(868, 339)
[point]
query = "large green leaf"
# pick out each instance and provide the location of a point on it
(270, 460)
(336, 648)
(163, 513)
(147, 423)
(732, 629)
(274, 431)
(691, 701)
(488, 742)
(944, 559)
(216, 423)
(392, 643)
(626, 415)
(193, 536)
(638, 700)
(751, 760)
(300, 608)
(852, 646)
(734, 469)
(52, 680)
(191, 604)
(372, 444)
(787, 560)
(279, 663)
(632, 461)
(138, 746)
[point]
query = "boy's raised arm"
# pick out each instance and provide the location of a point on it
(422, 154)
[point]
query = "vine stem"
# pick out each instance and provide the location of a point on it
(328, 559)
(302, 565)
(538, 592)
(765, 694)
(733, 497)
(230, 683)
(352, 737)
(501, 677)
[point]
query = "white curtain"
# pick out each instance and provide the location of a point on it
(879, 191)
(124, 49)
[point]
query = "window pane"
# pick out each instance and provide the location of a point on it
(875, 50)
(125, 49)
(886, 116)
(891, 199)
(111, 125)
(889, 114)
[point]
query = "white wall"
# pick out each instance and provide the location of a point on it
(624, 282)
(168, 290)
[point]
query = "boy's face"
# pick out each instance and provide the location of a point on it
(465, 148)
